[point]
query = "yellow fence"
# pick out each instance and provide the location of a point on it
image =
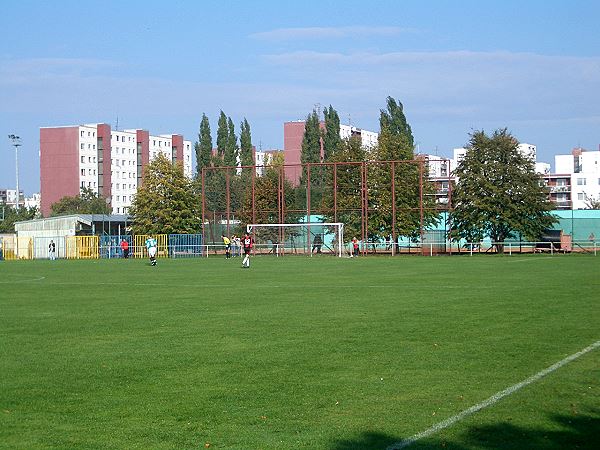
(17, 248)
(82, 247)
(162, 240)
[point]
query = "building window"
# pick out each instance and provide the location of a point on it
(580, 181)
(82, 172)
(580, 196)
(83, 182)
(83, 159)
(82, 146)
(81, 133)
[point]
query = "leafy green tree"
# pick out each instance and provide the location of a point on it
(166, 203)
(246, 156)
(230, 158)
(87, 202)
(331, 137)
(498, 193)
(409, 190)
(203, 146)
(9, 215)
(222, 135)
(348, 197)
(266, 197)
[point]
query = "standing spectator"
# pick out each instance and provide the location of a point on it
(52, 250)
(227, 243)
(238, 246)
(151, 247)
(354, 246)
(247, 243)
(125, 248)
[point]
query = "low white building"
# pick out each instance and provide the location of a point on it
(368, 139)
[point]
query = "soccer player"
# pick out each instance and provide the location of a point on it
(151, 247)
(247, 243)
(227, 243)
(52, 250)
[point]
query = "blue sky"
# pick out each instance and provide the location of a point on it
(531, 66)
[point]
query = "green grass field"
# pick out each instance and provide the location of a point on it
(297, 352)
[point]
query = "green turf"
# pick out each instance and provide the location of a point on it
(319, 353)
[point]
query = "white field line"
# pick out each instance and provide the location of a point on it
(27, 280)
(490, 401)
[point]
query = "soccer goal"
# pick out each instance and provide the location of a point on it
(298, 238)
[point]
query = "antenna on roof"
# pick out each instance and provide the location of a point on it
(117, 124)
(318, 109)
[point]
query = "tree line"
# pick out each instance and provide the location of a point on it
(498, 194)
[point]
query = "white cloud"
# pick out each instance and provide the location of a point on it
(284, 34)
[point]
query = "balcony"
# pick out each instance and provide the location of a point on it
(563, 204)
(554, 189)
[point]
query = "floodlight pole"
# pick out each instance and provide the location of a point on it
(16, 142)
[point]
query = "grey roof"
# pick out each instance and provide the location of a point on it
(86, 218)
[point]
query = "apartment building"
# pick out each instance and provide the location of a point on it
(262, 158)
(109, 162)
(580, 175)
(293, 134)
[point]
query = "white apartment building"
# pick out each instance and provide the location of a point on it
(583, 167)
(368, 138)
(109, 162)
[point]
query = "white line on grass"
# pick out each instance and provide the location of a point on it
(28, 280)
(490, 401)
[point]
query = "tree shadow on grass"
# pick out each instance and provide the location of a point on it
(581, 432)
(367, 440)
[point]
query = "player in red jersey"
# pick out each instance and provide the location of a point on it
(247, 243)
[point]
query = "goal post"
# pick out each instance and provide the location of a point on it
(298, 238)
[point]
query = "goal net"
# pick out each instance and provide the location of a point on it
(298, 238)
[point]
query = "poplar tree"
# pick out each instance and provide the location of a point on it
(230, 157)
(246, 155)
(311, 141)
(331, 137)
(311, 153)
(410, 186)
(203, 147)
(222, 135)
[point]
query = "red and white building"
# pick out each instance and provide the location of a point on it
(293, 134)
(110, 163)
